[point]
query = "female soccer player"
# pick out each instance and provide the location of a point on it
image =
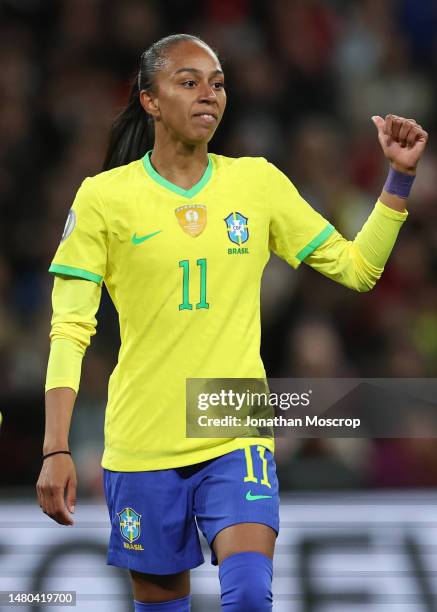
(181, 237)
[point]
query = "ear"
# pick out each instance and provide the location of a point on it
(150, 103)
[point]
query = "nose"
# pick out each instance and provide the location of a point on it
(207, 93)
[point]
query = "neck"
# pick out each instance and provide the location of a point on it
(182, 165)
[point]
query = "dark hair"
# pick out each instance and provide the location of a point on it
(132, 132)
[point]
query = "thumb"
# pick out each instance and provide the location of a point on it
(383, 138)
(379, 122)
(71, 496)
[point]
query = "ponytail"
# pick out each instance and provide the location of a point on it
(132, 133)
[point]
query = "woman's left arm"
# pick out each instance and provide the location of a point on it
(358, 264)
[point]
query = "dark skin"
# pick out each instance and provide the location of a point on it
(189, 85)
(237, 538)
(180, 154)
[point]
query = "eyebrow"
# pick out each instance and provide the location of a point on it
(195, 71)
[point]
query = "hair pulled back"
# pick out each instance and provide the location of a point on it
(132, 133)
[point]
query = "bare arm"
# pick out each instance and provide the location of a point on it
(59, 404)
(58, 474)
(75, 302)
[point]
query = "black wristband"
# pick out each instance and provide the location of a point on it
(55, 453)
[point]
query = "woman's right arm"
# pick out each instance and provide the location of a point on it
(75, 303)
(58, 474)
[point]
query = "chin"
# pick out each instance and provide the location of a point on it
(198, 139)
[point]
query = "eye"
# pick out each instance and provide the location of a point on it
(219, 85)
(189, 83)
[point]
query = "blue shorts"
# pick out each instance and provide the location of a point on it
(154, 513)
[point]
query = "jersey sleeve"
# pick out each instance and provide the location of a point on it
(359, 264)
(82, 252)
(75, 303)
(296, 229)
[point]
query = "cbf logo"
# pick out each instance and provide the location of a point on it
(129, 524)
(236, 224)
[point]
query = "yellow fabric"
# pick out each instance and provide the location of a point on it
(163, 344)
(87, 246)
(358, 264)
(294, 224)
(64, 365)
(378, 235)
(75, 303)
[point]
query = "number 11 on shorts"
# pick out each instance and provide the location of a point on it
(250, 477)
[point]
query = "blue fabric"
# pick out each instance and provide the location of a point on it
(246, 583)
(153, 514)
(175, 605)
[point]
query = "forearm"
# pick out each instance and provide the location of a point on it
(75, 302)
(376, 239)
(65, 363)
(392, 191)
(358, 264)
(340, 260)
(59, 405)
(393, 201)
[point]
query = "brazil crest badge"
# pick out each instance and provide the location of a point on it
(237, 227)
(130, 524)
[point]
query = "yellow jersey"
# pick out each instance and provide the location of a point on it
(183, 269)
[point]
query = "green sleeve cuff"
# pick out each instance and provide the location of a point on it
(315, 242)
(75, 272)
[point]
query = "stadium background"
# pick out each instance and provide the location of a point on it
(303, 79)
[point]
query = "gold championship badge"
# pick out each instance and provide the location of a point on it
(192, 218)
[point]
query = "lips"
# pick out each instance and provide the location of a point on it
(207, 117)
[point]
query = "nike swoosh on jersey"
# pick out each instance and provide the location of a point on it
(141, 239)
(251, 497)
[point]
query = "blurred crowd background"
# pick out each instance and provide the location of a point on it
(303, 79)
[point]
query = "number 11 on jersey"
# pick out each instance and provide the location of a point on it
(186, 304)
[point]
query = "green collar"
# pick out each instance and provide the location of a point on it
(187, 193)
